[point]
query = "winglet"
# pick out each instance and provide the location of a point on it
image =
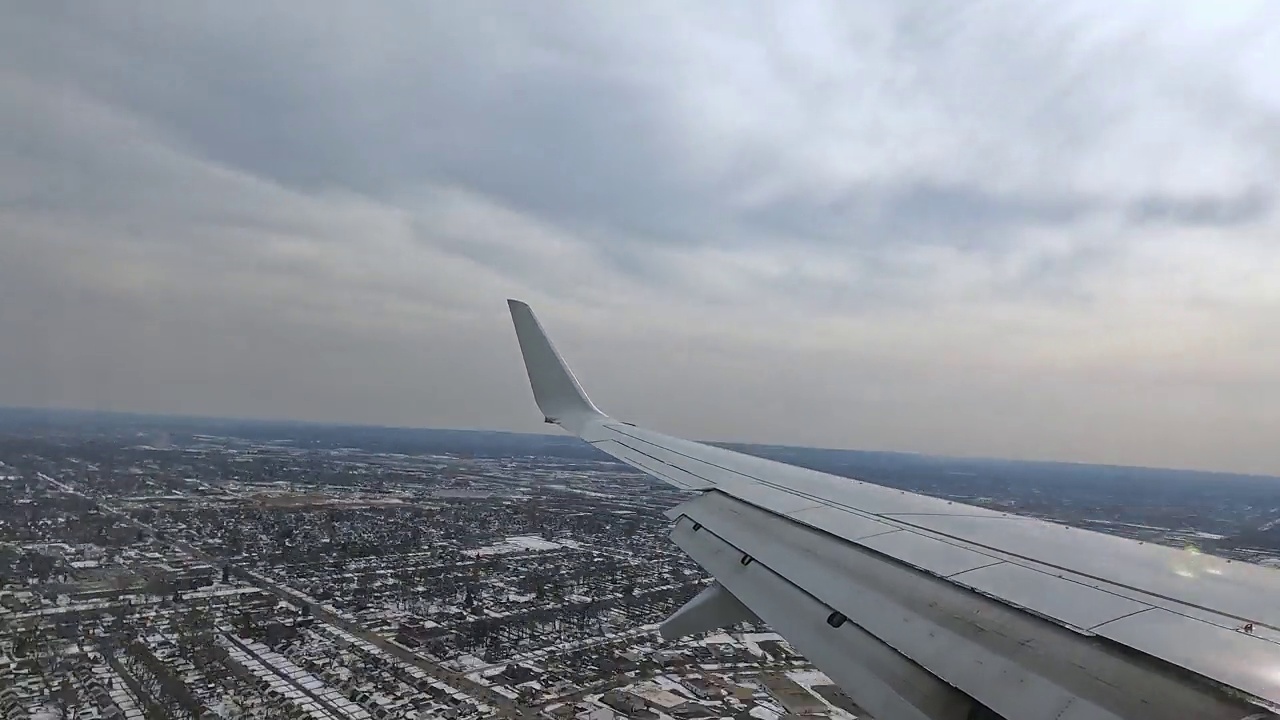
(556, 390)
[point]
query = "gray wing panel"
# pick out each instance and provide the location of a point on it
(1238, 659)
(673, 475)
(1014, 663)
(1076, 605)
(1240, 590)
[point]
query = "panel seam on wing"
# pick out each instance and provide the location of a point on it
(658, 460)
(1122, 617)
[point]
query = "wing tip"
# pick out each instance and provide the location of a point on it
(555, 388)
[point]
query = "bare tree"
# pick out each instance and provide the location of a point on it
(67, 700)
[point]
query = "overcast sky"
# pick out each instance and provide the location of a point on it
(1018, 229)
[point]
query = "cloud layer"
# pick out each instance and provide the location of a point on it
(1023, 229)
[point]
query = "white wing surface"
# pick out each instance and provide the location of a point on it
(926, 608)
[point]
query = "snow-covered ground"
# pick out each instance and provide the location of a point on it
(517, 543)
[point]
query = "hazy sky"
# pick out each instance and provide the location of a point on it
(1021, 229)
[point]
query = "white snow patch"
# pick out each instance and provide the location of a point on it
(517, 543)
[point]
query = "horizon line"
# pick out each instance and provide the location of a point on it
(424, 428)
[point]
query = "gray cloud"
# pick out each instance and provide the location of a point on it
(1003, 228)
(919, 212)
(1239, 210)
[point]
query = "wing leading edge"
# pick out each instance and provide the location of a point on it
(925, 608)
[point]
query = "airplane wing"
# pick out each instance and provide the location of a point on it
(923, 608)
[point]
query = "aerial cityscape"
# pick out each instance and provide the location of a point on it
(281, 435)
(170, 567)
